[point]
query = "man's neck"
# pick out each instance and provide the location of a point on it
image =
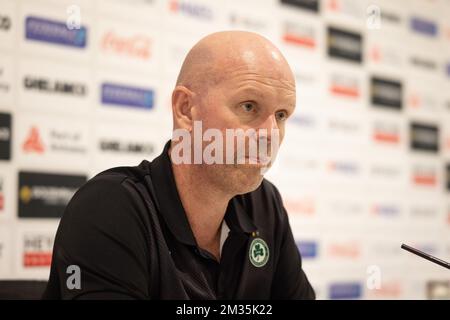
(205, 206)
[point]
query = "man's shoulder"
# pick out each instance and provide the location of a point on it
(119, 174)
(113, 185)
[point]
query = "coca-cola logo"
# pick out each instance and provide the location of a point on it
(136, 46)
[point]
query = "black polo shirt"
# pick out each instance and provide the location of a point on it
(127, 231)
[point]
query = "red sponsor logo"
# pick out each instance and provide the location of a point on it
(387, 290)
(386, 137)
(425, 179)
(33, 142)
(137, 46)
(305, 206)
(37, 259)
(304, 41)
(344, 250)
(345, 91)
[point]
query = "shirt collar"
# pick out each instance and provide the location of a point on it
(171, 209)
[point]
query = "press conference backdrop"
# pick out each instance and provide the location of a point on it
(365, 166)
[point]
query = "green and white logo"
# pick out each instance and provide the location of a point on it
(258, 253)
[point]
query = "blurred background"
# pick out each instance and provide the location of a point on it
(365, 166)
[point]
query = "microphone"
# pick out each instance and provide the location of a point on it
(427, 256)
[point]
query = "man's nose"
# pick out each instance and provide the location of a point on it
(270, 123)
(266, 128)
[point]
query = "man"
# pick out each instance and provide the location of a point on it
(174, 229)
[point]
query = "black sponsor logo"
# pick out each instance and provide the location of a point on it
(386, 93)
(127, 147)
(5, 23)
(390, 17)
(238, 20)
(310, 5)
(423, 63)
(56, 86)
(5, 136)
(424, 137)
(344, 44)
(385, 171)
(45, 195)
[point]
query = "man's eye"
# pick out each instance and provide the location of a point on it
(281, 115)
(248, 106)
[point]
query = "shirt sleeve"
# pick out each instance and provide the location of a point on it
(290, 281)
(103, 232)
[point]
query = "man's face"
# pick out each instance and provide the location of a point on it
(245, 100)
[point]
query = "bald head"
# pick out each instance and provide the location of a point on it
(218, 55)
(233, 80)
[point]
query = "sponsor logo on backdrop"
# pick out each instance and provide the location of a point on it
(347, 250)
(308, 249)
(385, 210)
(112, 145)
(343, 126)
(344, 167)
(424, 175)
(5, 136)
(137, 46)
(56, 86)
(423, 26)
(385, 54)
(390, 172)
(309, 5)
(191, 9)
(303, 120)
(33, 142)
(5, 23)
(388, 290)
(424, 137)
(390, 17)
(345, 86)
(345, 290)
(386, 133)
(348, 8)
(438, 290)
(386, 93)
(55, 32)
(384, 248)
(301, 35)
(239, 20)
(423, 211)
(59, 140)
(344, 44)
(306, 78)
(423, 63)
(301, 205)
(423, 101)
(341, 207)
(37, 250)
(45, 195)
(121, 95)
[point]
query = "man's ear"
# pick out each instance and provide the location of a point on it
(182, 103)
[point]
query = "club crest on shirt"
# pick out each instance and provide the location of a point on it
(258, 252)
